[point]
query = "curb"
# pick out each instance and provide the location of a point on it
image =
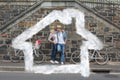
(11, 68)
(94, 70)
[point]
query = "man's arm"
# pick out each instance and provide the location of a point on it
(65, 36)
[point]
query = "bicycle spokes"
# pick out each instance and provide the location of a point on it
(101, 58)
(75, 57)
(38, 57)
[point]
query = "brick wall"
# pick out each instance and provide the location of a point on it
(8, 12)
(109, 35)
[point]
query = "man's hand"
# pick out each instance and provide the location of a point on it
(65, 42)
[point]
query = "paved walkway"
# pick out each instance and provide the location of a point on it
(111, 66)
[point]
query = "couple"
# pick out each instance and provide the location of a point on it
(58, 39)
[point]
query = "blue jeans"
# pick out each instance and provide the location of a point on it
(53, 54)
(62, 47)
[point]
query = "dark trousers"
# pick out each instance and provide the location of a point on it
(53, 54)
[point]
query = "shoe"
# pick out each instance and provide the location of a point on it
(56, 62)
(62, 63)
(52, 61)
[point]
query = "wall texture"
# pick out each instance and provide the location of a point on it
(109, 35)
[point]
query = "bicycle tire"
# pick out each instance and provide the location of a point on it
(39, 57)
(17, 58)
(75, 57)
(103, 60)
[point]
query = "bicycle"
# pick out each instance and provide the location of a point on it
(98, 56)
(115, 53)
(38, 54)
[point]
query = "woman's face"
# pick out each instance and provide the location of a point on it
(53, 31)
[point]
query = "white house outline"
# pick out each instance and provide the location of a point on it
(64, 17)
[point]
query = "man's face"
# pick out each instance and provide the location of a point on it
(59, 28)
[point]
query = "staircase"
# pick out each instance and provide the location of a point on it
(107, 9)
(16, 11)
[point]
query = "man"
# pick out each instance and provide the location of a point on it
(61, 41)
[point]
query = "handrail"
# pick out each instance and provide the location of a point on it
(99, 1)
(18, 1)
(7, 25)
(107, 20)
(93, 4)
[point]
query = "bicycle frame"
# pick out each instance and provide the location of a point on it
(92, 54)
(17, 52)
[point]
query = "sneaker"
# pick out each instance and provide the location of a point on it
(56, 62)
(52, 61)
(62, 63)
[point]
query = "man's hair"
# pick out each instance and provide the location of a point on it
(59, 27)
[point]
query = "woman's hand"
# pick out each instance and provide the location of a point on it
(54, 42)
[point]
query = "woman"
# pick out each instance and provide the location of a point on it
(52, 39)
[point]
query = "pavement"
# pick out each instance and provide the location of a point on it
(32, 76)
(110, 67)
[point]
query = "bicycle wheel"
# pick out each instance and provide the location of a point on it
(75, 57)
(101, 58)
(38, 56)
(15, 58)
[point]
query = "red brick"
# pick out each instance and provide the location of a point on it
(117, 44)
(116, 18)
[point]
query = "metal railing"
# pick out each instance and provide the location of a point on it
(16, 6)
(98, 15)
(94, 3)
(106, 8)
(16, 19)
(18, 0)
(103, 1)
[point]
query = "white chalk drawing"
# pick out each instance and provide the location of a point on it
(65, 17)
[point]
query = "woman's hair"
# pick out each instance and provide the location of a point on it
(52, 30)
